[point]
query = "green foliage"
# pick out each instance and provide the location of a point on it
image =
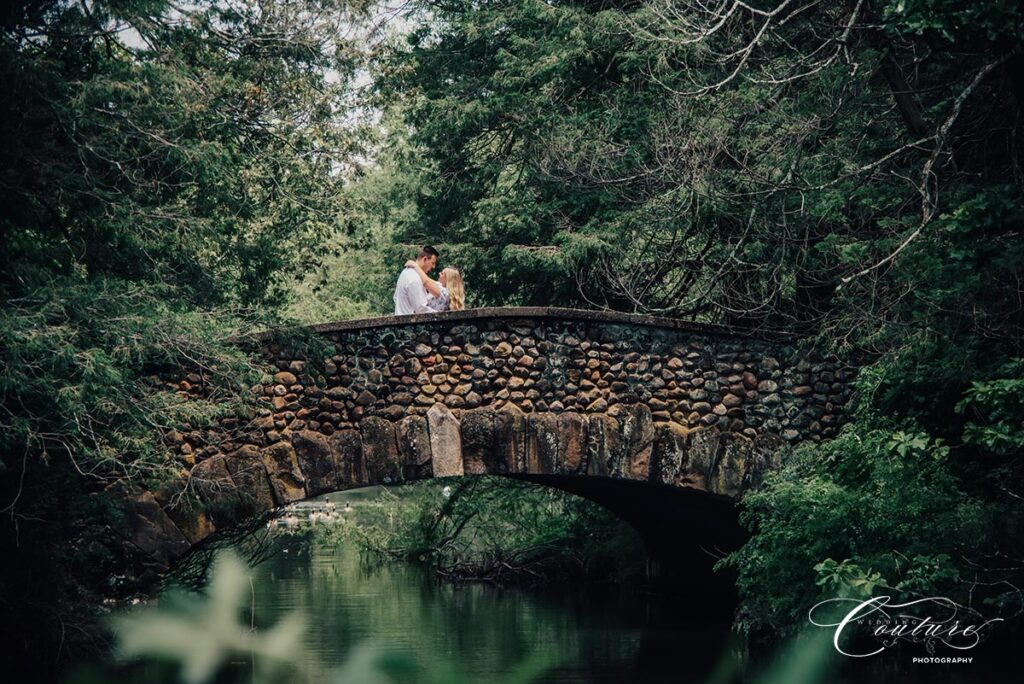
(164, 171)
(154, 196)
(854, 175)
(846, 579)
(639, 156)
(81, 362)
(996, 411)
(893, 505)
(953, 20)
(927, 571)
(907, 444)
(190, 161)
(495, 529)
(357, 276)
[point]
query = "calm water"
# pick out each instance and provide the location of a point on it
(591, 636)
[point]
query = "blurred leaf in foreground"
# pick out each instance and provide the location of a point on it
(203, 633)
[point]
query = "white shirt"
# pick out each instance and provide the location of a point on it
(410, 295)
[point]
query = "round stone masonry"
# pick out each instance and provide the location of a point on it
(499, 391)
(555, 360)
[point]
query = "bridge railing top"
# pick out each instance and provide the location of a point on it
(535, 312)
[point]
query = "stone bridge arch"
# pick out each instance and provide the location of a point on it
(625, 408)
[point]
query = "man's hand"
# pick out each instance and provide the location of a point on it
(410, 264)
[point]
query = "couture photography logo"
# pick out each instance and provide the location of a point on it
(866, 628)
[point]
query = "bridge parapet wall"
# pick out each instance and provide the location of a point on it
(495, 391)
(550, 360)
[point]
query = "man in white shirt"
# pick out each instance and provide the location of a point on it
(410, 295)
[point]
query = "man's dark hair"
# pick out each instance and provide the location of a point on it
(429, 251)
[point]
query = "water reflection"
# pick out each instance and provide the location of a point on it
(610, 635)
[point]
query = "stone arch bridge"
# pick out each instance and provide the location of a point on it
(665, 422)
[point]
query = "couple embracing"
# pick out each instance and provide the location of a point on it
(416, 292)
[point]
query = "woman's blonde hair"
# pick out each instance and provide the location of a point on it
(453, 283)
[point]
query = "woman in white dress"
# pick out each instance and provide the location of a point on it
(446, 293)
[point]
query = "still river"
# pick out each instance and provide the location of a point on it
(588, 635)
(593, 635)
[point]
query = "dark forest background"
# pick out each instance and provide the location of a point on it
(172, 175)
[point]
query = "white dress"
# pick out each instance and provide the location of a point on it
(440, 303)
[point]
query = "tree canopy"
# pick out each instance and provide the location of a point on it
(782, 164)
(163, 171)
(173, 175)
(849, 171)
